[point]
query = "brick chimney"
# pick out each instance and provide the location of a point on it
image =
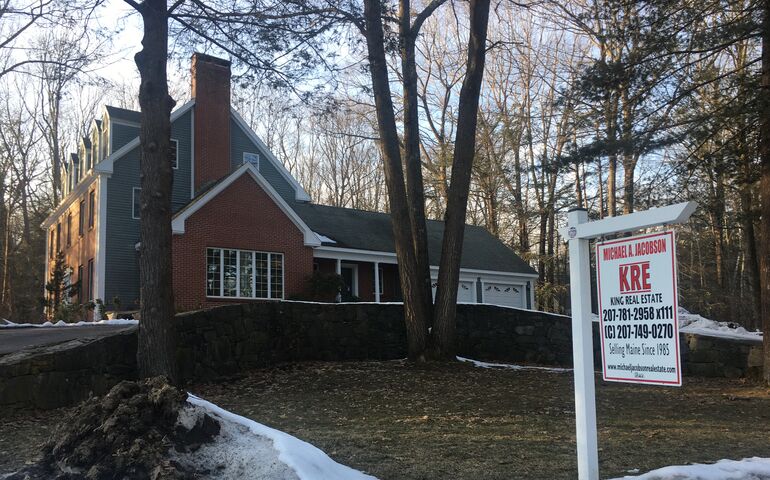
(211, 91)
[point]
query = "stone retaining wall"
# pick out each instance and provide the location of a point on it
(66, 373)
(228, 340)
(704, 356)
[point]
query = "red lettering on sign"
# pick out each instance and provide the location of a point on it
(635, 277)
(624, 286)
(646, 276)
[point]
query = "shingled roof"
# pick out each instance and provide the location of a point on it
(123, 114)
(362, 230)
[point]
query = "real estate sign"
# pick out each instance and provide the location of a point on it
(636, 279)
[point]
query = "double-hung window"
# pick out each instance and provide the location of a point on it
(69, 229)
(235, 273)
(173, 153)
(91, 208)
(90, 281)
(82, 217)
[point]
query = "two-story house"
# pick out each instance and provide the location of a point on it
(243, 227)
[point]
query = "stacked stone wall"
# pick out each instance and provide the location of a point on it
(220, 342)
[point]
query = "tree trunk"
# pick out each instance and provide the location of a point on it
(764, 189)
(521, 210)
(465, 148)
(414, 312)
(600, 187)
(750, 241)
(578, 187)
(629, 165)
(156, 353)
(414, 181)
(611, 132)
(612, 169)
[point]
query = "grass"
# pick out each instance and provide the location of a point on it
(402, 421)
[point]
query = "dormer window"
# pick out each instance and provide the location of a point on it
(94, 149)
(252, 158)
(104, 143)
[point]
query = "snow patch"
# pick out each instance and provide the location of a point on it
(324, 238)
(510, 366)
(696, 324)
(247, 449)
(61, 323)
(754, 468)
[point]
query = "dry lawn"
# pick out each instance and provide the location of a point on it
(401, 421)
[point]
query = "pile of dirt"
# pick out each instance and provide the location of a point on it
(126, 434)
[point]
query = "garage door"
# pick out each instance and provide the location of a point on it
(503, 294)
(466, 292)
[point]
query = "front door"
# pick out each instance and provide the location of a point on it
(349, 274)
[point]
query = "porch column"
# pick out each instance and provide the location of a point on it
(338, 270)
(377, 282)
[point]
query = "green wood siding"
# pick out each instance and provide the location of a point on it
(239, 143)
(122, 134)
(122, 262)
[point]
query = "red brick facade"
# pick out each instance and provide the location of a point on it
(244, 217)
(78, 249)
(211, 91)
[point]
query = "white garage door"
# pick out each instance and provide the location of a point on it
(466, 292)
(503, 294)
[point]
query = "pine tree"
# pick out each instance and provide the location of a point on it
(59, 289)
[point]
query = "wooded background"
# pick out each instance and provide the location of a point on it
(611, 105)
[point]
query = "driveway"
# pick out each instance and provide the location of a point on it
(15, 339)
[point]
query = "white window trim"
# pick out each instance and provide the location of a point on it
(175, 165)
(259, 159)
(133, 202)
(253, 276)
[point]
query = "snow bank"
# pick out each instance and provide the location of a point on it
(247, 449)
(747, 469)
(510, 366)
(61, 323)
(692, 323)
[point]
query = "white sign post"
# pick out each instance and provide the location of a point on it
(579, 232)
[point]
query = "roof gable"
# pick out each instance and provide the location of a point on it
(299, 192)
(106, 165)
(178, 221)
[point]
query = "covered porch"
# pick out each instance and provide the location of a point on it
(365, 281)
(373, 277)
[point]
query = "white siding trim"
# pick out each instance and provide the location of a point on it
(352, 254)
(101, 239)
(192, 154)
